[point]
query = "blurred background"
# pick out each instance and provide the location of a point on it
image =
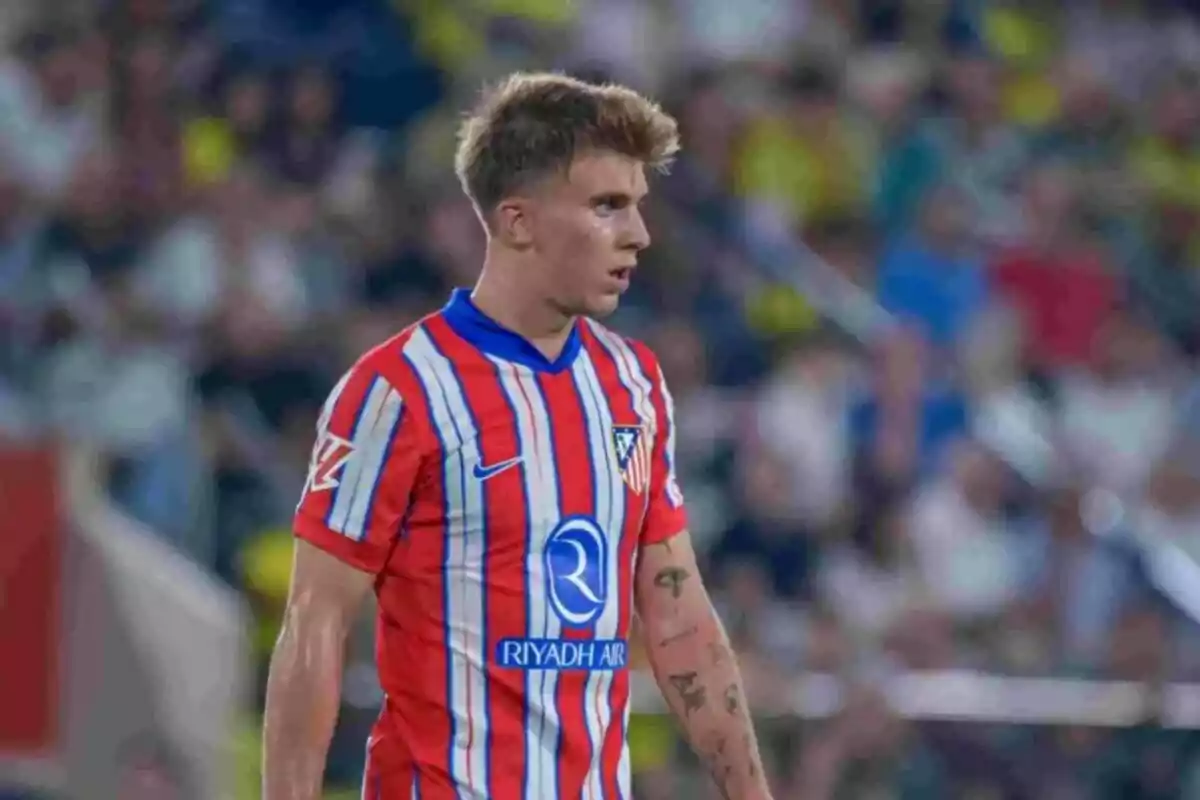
(925, 284)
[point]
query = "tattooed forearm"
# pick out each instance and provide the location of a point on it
(694, 696)
(724, 737)
(671, 579)
(712, 753)
(684, 634)
(697, 671)
(699, 676)
(733, 698)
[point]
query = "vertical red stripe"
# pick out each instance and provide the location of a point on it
(380, 785)
(504, 560)
(573, 465)
(411, 633)
(621, 405)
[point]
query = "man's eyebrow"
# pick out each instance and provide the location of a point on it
(625, 197)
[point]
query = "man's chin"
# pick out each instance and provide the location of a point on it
(602, 306)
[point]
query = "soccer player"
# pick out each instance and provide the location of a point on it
(501, 474)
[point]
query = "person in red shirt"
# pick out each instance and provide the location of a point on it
(502, 475)
(1057, 281)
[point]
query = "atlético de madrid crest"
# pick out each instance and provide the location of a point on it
(633, 448)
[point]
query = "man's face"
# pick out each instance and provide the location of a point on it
(587, 229)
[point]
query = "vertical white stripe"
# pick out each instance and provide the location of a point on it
(380, 410)
(374, 456)
(464, 562)
(598, 452)
(610, 507)
(546, 515)
(674, 493)
(541, 488)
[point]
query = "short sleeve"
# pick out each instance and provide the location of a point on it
(666, 514)
(362, 471)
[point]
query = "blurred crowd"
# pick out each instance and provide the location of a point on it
(925, 284)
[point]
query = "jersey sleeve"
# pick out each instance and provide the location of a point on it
(362, 471)
(666, 514)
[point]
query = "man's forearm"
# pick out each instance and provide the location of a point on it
(698, 674)
(303, 693)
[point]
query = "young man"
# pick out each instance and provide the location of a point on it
(501, 474)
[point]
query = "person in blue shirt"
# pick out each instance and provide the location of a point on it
(932, 276)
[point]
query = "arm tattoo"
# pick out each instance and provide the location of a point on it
(672, 578)
(681, 636)
(733, 698)
(694, 697)
(694, 663)
(718, 765)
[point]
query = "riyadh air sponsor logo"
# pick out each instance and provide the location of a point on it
(563, 654)
(575, 565)
(576, 569)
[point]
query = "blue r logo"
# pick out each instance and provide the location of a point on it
(576, 562)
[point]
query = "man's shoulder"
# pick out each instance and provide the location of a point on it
(388, 357)
(386, 361)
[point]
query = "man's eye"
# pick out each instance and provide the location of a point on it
(610, 204)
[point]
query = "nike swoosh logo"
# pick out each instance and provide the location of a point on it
(483, 473)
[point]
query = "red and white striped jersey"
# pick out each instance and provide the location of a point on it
(501, 499)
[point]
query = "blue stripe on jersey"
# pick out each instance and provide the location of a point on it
(583, 414)
(603, 403)
(446, 565)
(437, 431)
(524, 467)
(558, 747)
(614, 563)
(533, 591)
(391, 440)
(358, 415)
(483, 566)
(603, 409)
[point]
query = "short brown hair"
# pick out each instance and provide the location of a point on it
(533, 124)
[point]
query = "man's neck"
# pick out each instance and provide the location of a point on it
(501, 295)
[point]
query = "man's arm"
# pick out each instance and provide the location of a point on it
(364, 465)
(695, 667)
(304, 686)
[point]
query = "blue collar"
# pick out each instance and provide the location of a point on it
(465, 318)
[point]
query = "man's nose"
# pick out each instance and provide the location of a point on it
(637, 236)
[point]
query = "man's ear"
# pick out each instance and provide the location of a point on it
(512, 222)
